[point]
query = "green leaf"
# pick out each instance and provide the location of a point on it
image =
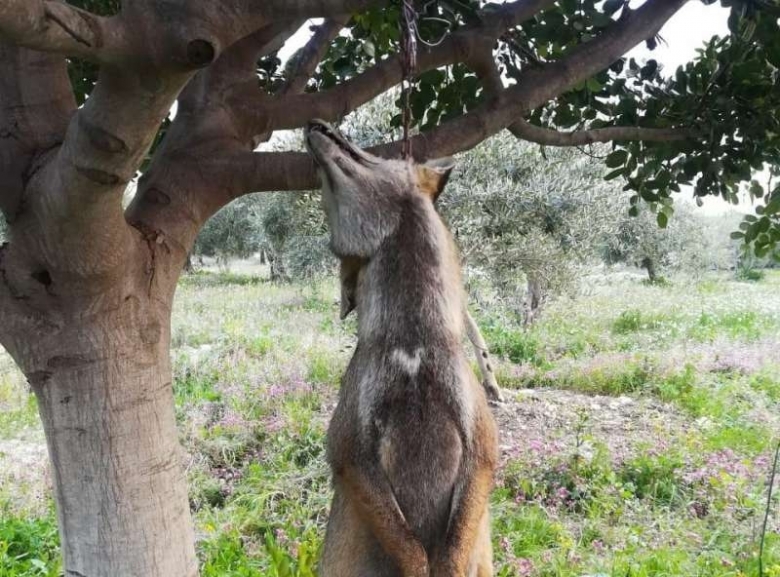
(756, 190)
(616, 158)
(662, 219)
(593, 85)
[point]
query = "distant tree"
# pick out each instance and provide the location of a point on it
(233, 232)
(529, 218)
(681, 245)
(294, 236)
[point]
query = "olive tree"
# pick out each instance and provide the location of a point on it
(232, 232)
(639, 241)
(85, 91)
(530, 218)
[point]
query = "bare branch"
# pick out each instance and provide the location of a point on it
(52, 26)
(309, 57)
(527, 131)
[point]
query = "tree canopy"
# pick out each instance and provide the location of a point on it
(554, 73)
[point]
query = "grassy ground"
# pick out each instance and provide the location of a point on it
(636, 440)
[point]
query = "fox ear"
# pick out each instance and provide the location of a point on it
(433, 176)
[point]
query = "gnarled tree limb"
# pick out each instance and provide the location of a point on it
(35, 108)
(307, 59)
(169, 200)
(52, 26)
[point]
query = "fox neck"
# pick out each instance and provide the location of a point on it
(409, 293)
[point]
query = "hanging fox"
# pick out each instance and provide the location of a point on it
(412, 443)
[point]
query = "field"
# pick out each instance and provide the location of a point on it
(637, 438)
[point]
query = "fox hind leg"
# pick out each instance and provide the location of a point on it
(350, 549)
(482, 559)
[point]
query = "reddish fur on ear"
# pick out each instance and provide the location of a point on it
(432, 176)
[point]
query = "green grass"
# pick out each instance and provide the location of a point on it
(29, 547)
(25, 416)
(642, 450)
(634, 320)
(515, 345)
(747, 325)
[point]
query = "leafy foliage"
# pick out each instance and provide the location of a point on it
(525, 221)
(295, 236)
(29, 548)
(727, 98)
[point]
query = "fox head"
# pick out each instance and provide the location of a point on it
(363, 194)
(363, 197)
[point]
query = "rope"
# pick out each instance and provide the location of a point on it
(408, 67)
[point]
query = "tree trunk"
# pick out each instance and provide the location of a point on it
(534, 299)
(95, 350)
(117, 468)
(649, 266)
(277, 269)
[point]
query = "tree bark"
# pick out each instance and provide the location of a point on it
(118, 473)
(95, 350)
(278, 271)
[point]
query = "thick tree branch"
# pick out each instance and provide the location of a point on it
(53, 26)
(305, 62)
(36, 103)
(235, 71)
(177, 194)
(540, 135)
(275, 9)
(292, 171)
(77, 191)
